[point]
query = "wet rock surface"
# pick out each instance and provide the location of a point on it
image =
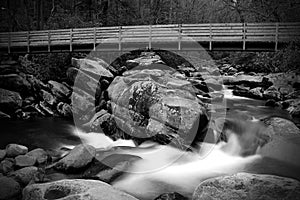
(248, 186)
(74, 189)
(78, 158)
(10, 189)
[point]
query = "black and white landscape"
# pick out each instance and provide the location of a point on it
(149, 99)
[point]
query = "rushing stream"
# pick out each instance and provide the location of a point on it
(53, 133)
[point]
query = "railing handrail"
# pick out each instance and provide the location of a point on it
(210, 32)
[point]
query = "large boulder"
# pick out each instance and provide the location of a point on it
(25, 175)
(272, 93)
(247, 81)
(60, 91)
(248, 187)
(13, 150)
(7, 165)
(77, 159)
(9, 101)
(10, 189)
(16, 82)
(40, 155)
(96, 68)
(83, 80)
(74, 189)
(82, 104)
(2, 154)
(25, 161)
(150, 101)
(294, 107)
(284, 141)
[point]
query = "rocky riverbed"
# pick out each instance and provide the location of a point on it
(143, 97)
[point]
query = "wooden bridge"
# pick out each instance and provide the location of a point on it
(229, 36)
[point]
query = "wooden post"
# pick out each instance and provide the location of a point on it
(179, 37)
(210, 37)
(9, 42)
(150, 36)
(95, 39)
(120, 38)
(276, 36)
(28, 41)
(71, 36)
(49, 41)
(244, 36)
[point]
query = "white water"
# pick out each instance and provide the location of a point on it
(166, 169)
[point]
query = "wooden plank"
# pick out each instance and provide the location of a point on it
(210, 37)
(28, 41)
(150, 37)
(276, 37)
(179, 37)
(71, 35)
(120, 38)
(49, 41)
(244, 36)
(95, 39)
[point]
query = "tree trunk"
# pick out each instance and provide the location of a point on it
(38, 13)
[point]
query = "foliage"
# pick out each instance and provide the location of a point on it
(16, 15)
(285, 60)
(46, 66)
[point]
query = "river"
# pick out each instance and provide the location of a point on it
(53, 133)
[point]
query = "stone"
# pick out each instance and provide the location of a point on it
(64, 109)
(40, 155)
(48, 97)
(16, 83)
(25, 175)
(270, 103)
(272, 93)
(95, 123)
(28, 101)
(171, 196)
(248, 186)
(9, 101)
(247, 81)
(152, 101)
(10, 189)
(109, 168)
(74, 189)
(83, 81)
(13, 150)
(78, 158)
(24, 161)
(2, 154)
(255, 93)
(6, 166)
(97, 68)
(59, 90)
(293, 95)
(45, 108)
(284, 141)
(213, 83)
(4, 116)
(82, 104)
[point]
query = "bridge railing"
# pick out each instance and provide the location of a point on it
(225, 32)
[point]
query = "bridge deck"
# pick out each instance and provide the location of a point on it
(229, 36)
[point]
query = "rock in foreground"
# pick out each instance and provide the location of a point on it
(74, 189)
(78, 158)
(9, 189)
(245, 186)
